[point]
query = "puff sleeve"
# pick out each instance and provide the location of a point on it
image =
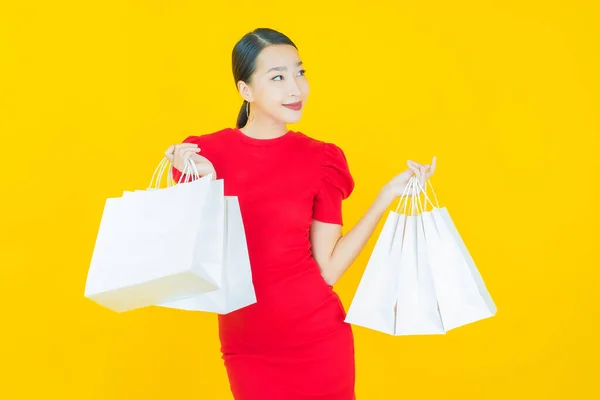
(335, 184)
(177, 173)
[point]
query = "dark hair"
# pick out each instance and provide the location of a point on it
(243, 58)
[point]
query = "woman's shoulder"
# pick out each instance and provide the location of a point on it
(324, 151)
(207, 138)
(332, 165)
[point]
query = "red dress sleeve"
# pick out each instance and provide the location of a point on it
(336, 184)
(177, 173)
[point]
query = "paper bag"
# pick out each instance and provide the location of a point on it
(237, 290)
(147, 247)
(461, 293)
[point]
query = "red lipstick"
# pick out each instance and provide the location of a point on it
(294, 106)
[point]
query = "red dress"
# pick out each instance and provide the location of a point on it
(293, 343)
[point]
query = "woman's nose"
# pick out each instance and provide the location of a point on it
(294, 89)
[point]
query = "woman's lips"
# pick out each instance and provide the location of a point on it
(294, 106)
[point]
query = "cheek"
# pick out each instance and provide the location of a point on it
(304, 87)
(267, 99)
(275, 99)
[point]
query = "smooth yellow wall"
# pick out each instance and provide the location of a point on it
(506, 94)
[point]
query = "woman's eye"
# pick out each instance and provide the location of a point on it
(275, 78)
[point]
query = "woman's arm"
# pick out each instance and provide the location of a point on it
(335, 253)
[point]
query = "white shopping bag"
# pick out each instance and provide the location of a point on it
(417, 309)
(461, 293)
(237, 290)
(146, 249)
(396, 295)
(373, 305)
(209, 247)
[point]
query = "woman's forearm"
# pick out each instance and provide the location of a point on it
(350, 245)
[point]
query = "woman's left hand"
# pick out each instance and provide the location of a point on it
(396, 187)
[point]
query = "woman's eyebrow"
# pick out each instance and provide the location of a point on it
(283, 68)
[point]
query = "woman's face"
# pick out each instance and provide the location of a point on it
(277, 81)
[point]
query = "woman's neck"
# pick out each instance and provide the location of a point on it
(264, 130)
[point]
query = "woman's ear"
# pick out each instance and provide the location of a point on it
(245, 91)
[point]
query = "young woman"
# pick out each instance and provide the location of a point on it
(293, 343)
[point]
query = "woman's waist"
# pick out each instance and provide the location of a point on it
(270, 253)
(289, 322)
(271, 277)
(300, 288)
(287, 298)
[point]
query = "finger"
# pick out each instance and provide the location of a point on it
(187, 153)
(181, 158)
(432, 169)
(420, 172)
(427, 173)
(192, 155)
(185, 146)
(430, 173)
(169, 153)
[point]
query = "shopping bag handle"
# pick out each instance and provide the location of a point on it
(160, 169)
(190, 165)
(412, 185)
(414, 182)
(404, 196)
(416, 201)
(424, 189)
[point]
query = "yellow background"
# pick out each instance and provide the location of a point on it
(506, 94)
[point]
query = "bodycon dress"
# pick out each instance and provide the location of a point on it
(293, 343)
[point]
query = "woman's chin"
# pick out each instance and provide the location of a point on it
(293, 117)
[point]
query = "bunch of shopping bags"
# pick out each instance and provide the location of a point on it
(182, 246)
(420, 278)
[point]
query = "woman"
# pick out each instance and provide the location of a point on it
(293, 342)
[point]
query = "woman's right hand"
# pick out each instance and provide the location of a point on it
(396, 187)
(178, 154)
